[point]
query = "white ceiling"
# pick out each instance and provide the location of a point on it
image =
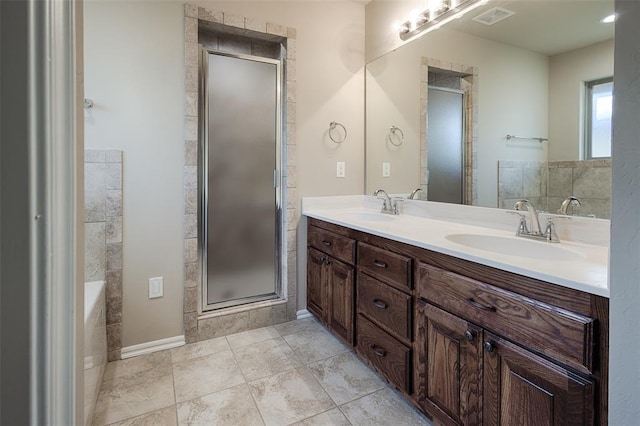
(545, 26)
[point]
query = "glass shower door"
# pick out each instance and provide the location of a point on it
(445, 145)
(240, 204)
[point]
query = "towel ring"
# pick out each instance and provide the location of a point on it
(332, 126)
(392, 132)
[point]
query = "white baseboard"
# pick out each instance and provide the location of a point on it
(150, 347)
(303, 313)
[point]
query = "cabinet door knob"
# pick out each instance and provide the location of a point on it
(468, 335)
(488, 346)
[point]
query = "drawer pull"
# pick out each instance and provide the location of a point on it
(480, 305)
(378, 351)
(379, 304)
(469, 335)
(326, 243)
(379, 264)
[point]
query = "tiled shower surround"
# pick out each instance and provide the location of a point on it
(237, 34)
(547, 184)
(103, 235)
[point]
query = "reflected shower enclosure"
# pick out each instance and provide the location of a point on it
(239, 163)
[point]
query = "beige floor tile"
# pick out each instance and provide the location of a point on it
(136, 364)
(298, 326)
(201, 376)
(289, 397)
(133, 395)
(163, 417)
(266, 359)
(345, 377)
(328, 418)
(233, 407)
(199, 349)
(383, 408)
(252, 336)
(314, 345)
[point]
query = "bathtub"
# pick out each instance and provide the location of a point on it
(95, 344)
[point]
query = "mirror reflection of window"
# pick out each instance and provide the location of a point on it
(598, 118)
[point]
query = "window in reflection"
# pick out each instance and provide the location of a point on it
(598, 118)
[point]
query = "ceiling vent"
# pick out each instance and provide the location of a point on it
(492, 16)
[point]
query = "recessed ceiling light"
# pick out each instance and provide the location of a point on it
(609, 19)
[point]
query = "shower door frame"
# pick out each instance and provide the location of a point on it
(203, 190)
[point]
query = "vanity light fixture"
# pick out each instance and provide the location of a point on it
(438, 13)
(609, 19)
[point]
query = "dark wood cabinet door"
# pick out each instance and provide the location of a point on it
(316, 284)
(449, 366)
(521, 388)
(340, 282)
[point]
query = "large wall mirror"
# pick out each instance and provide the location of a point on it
(510, 101)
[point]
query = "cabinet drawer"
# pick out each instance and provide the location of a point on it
(386, 354)
(335, 245)
(386, 306)
(556, 332)
(392, 268)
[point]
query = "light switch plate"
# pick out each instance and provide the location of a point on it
(340, 169)
(156, 287)
(386, 169)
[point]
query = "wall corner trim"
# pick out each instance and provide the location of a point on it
(153, 346)
(303, 313)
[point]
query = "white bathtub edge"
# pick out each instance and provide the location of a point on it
(153, 346)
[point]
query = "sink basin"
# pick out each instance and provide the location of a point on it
(514, 246)
(369, 216)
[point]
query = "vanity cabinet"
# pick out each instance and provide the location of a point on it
(469, 374)
(330, 281)
(465, 343)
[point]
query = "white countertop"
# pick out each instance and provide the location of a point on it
(427, 225)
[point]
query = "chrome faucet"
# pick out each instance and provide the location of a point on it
(535, 232)
(389, 206)
(570, 201)
(414, 193)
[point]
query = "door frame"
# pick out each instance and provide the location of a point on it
(203, 182)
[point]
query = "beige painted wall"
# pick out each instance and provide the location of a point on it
(512, 99)
(567, 74)
(134, 74)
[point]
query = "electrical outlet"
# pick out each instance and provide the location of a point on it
(340, 169)
(386, 169)
(156, 287)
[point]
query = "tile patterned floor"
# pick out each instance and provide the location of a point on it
(295, 373)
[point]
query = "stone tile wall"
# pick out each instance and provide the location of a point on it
(230, 32)
(588, 180)
(519, 180)
(103, 235)
(547, 184)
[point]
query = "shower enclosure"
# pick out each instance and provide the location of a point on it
(239, 163)
(445, 145)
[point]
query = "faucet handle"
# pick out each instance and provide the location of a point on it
(522, 225)
(396, 204)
